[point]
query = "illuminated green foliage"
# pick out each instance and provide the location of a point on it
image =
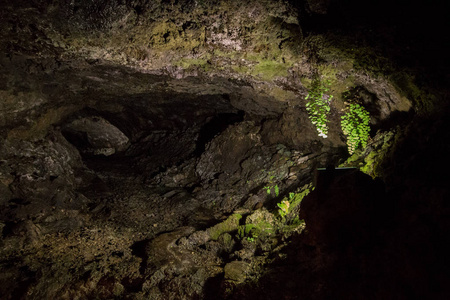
(355, 125)
(289, 203)
(284, 208)
(318, 106)
(275, 188)
(251, 232)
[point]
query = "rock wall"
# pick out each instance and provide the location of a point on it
(161, 149)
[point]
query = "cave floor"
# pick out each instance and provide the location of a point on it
(135, 238)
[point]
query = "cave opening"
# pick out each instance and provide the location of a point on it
(135, 139)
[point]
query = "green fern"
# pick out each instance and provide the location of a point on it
(318, 106)
(355, 125)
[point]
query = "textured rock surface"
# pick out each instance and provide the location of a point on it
(236, 271)
(96, 136)
(367, 239)
(139, 140)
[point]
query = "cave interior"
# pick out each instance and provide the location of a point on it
(168, 150)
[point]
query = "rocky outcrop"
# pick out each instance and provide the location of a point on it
(162, 149)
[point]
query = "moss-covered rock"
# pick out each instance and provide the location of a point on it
(260, 224)
(229, 225)
(369, 160)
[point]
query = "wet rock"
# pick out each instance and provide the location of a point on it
(42, 166)
(293, 129)
(318, 6)
(261, 216)
(381, 98)
(63, 221)
(255, 201)
(26, 231)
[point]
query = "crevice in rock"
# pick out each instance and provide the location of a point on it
(138, 249)
(214, 127)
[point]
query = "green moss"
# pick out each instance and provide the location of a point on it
(370, 164)
(328, 73)
(229, 225)
(381, 148)
(288, 204)
(240, 69)
(255, 230)
(355, 157)
(166, 35)
(228, 54)
(306, 82)
(226, 238)
(268, 69)
(244, 230)
(297, 226)
(188, 63)
(281, 94)
(407, 87)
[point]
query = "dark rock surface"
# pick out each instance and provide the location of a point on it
(365, 239)
(162, 150)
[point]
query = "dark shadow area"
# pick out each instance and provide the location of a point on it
(27, 279)
(354, 247)
(368, 239)
(78, 139)
(215, 126)
(212, 287)
(138, 249)
(396, 118)
(410, 35)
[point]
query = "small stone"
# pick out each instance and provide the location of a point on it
(236, 271)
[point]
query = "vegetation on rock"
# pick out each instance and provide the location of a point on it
(318, 106)
(206, 131)
(355, 125)
(231, 224)
(288, 204)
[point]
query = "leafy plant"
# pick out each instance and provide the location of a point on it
(287, 205)
(251, 232)
(318, 106)
(275, 188)
(284, 208)
(355, 125)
